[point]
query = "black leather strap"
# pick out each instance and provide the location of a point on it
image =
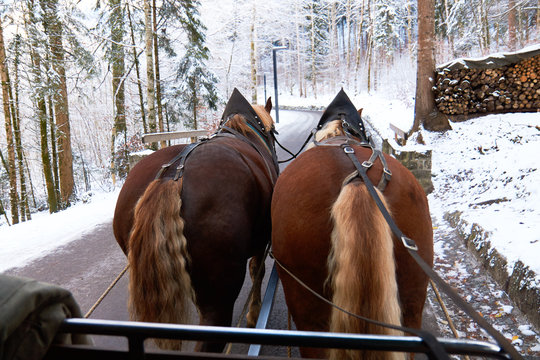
(182, 155)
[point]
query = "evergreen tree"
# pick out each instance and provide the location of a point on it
(386, 37)
(196, 83)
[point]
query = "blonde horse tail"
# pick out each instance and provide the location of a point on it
(363, 276)
(160, 286)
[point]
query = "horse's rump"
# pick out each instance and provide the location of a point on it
(134, 186)
(194, 227)
(302, 226)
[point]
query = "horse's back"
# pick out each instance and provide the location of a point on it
(134, 186)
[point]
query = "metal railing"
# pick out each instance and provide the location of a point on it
(137, 332)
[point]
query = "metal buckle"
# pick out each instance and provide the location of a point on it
(387, 172)
(367, 164)
(348, 150)
(409, 243)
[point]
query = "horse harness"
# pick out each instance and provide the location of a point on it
(437, 351)
(367, 164)
(226, 132)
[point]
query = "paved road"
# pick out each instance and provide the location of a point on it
(88, 265)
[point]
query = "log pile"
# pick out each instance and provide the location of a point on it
(508, 88)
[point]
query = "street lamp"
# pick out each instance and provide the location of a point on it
(274, 50)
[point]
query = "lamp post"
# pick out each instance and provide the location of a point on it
(264, 77)
(274, 50)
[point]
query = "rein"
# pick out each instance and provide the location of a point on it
(293, 156)
(429, 339)
(182, 156)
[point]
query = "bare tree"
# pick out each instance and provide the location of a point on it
(41, 106)
(157, 74)
(119, 131)
(512, 39)
(137, 70)
(12, 173)
(53, 28)
(150, 87)
(253, 54)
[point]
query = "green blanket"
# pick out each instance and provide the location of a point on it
(30, 315)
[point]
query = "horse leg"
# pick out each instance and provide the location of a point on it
(214, 316)
(216, 296)
(256, 271)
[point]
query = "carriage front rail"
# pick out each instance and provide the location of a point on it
(137, 332)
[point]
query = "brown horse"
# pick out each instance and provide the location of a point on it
(189, 232)
(331, 236)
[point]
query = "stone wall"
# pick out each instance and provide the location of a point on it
(518, 282)
(419, 163)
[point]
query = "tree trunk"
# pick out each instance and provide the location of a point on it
(334, 55)
(53, 28)
(158, 80)
(485, 25)
(348, 62)
(253, 56)
(450, 37)
(299, 73)
(425, 110)
(313, 56)
(53, 150)
(359, 45)
(369, 54)
(12, 173)
(119, 131)
(41, 108)
(137, 69)
(512, 40)
(150, 94)
(25, 210)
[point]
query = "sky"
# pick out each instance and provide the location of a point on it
(487, 168)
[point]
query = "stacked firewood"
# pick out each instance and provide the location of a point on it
(508, 88)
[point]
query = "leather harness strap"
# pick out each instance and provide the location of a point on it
(411, 247)
(182, 155)
(231, 133)
(375, 154)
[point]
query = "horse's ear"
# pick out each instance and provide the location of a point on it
(268, 106)
(360, 112)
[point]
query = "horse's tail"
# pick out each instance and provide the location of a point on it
(159, 286)
(361, 264)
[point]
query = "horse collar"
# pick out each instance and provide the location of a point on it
(238, 104)
(341, 108)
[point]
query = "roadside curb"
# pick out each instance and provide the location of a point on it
(520, 285)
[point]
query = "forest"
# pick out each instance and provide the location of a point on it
(83, 80)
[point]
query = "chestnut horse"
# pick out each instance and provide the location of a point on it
(189, 231)
(328, 233)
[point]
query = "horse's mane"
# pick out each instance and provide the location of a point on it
(329, 130)
(239, 123)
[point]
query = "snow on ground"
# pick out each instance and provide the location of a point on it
(486, 167)
(22, 243)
